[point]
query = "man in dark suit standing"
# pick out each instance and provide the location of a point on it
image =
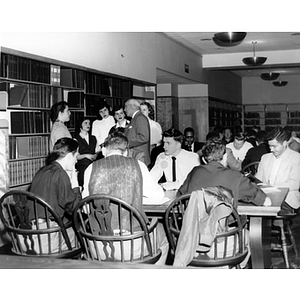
(189, 141)
(138, 132)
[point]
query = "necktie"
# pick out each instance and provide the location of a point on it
(189, 147)
(174, 168)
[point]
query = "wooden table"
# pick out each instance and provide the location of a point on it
(260, 221)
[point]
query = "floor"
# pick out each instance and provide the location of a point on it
(277, 257)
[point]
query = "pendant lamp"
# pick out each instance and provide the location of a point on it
(280, 83)
(254, 60)
(269, 76)
(229, 38)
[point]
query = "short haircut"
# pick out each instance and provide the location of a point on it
(79, 122)
(150, 108)
(279, 134)
(56, 108)
(212, 135)
(118, 107)
(116, 141)
(261, 136)
(240, 136)
(214, 150)
(61, 148)
(175, 134)
(103, 104)
(134, 103)
(189, 129)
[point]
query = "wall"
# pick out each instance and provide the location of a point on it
(132, 54)
(226, 86)
(266, 93)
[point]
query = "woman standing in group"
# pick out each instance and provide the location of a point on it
(88, 148)
(155, 128)
(59, 115)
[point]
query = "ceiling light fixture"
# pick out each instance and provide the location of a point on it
(226, 39)
(280, 83)
(269, 76)
(254, 60)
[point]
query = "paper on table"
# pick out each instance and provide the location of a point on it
(268, 188)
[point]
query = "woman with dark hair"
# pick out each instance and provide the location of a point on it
(59, 115)
(155, 128)
(88, 148)
(57, 184)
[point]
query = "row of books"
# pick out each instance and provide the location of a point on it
(30, 122)
(72, 78)
(22, 171)
(97, 84)
(22, 68)
(28, 146)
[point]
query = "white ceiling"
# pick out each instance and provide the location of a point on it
(203, 44)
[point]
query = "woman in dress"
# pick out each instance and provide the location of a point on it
(88, 148)
(155, 128)
(59, 115)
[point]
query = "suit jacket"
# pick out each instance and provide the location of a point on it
(215, 174)
(255, 154)
(138, 134)
(197, 146)
(288, 174)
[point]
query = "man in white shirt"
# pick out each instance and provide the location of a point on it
(125, 178)
(281, 168)
(239, 146)
(175, 163)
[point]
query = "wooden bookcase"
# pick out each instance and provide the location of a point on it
(32, 84)
(268, 116)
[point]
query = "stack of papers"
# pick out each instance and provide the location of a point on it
(268, 188)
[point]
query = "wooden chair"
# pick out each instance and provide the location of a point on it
(31, 235)
(250, 170)
(110, 229)
(281, 229)
(235, 229)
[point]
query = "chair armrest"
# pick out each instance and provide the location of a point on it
(153, 224)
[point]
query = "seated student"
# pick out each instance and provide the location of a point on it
(189, 141)
(125, 178)
(239, 146)
(215, 174)
(88, 148)
(254, 154)
(53, 183)
(175, 163)
(281, 168)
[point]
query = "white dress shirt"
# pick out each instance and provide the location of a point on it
(185, 162)
(153, 193)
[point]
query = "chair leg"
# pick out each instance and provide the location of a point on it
(284, 245)
(292, 239)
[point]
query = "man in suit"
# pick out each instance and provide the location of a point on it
(189, 141)
(281, 168)
(138, 132)
(215, 174)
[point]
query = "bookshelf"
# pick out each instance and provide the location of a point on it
(268, 116)
(224, 114)
(31, 84)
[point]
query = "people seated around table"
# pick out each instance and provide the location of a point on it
(228, 136)
(57, 184)
(190, 144)
(121, 121)
(281, 168)
(155, 128)
(228, 159)
(254, 154)
(239, 146)
(174, 163)
(104, 122)
(88, 148)
(59, 115)
(126, 178)
(215, 174)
